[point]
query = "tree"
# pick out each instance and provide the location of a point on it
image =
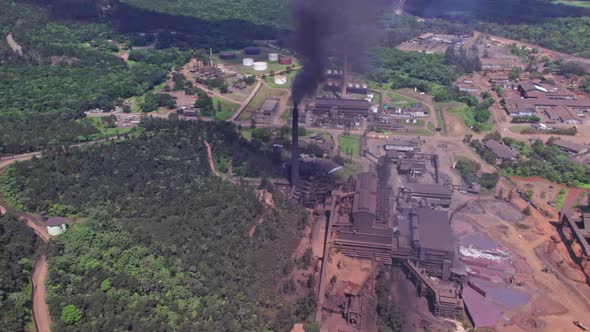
(527, 211)
(71, 315)
(489, 180)
(514, 73)
(250, 80)
(311, 327)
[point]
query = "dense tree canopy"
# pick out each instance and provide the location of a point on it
(67, 68)
(18, 244)
(551, 163)
(165, 246)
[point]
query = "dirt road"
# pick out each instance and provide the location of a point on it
(211, 163)
(16, 48)
(567, 57)
(40, 308)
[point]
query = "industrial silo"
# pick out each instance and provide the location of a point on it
(227, 55)
(285, 60)
(252, 50)
(273, 57)
(260, 66)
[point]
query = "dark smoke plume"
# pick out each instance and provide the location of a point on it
(323, 29)
(331, 28)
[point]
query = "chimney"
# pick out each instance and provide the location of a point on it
(344, 75)
(295, 146)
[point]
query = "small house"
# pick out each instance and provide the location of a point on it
(56, 226)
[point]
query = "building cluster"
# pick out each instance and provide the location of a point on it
(434, 42)
(570, 147)
(553, 105)
(266, 111)
(338, 112)
(502, 152)
(417, 235)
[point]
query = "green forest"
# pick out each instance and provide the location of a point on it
(162, 245)
(265, 12)
(552, 164)
(568, 35)
(17, 256)
(67, 68)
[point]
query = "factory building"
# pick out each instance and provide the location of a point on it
(570, 147)
(426, 195)
(345, 107)
(419, 238)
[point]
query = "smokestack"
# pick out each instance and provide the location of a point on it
(295, 146)
(344, 75)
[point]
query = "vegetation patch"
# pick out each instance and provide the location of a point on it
(350, 144)
(164, 245)
(223, 108)
(17, 257)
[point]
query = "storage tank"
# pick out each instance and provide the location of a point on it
(252, 50)
(227, 55)
(260, 66)
(248, 62)
(285, 60)
(273, 57)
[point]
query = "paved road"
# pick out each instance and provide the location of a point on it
(247, 100)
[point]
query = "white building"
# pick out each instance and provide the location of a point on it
(56, 225)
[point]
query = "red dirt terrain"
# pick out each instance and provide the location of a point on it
(40, 308)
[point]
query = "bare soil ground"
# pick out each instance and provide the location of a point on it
(40, 308)
(16, 48)
(557, 296)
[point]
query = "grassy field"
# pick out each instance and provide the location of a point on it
(518, 129)
(255, 103)
(270, 80)
(559, 200)
(575, 3)
(395, 100)
(227, 108)
(104, 130)
(431, 126)
(259, 99)
(350, 144)
(136, 101)
(246, 133)
(440, 119)
(583, 185)
(460, 109)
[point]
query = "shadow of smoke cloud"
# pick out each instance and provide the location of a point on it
(340, 28)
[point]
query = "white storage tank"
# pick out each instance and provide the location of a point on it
(273, 57)
(248, 62)
(260, 66)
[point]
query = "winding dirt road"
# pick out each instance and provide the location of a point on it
(40, 308)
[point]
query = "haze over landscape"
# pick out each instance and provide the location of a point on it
(294, 165)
